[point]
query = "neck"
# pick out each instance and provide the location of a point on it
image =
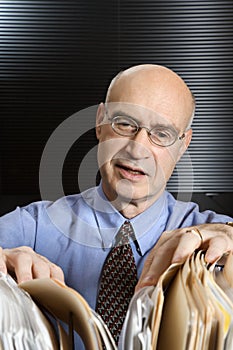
(130, 210)
(133, 207)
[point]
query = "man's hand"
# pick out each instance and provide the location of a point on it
(25, 264)
(177, 245)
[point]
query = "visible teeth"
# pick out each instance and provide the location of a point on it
(135, 172)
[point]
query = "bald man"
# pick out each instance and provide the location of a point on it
(143, 129)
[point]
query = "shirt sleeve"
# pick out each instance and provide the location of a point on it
(18, 228)
(188, 214)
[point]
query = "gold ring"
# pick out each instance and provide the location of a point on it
(229, 223)
(197, 233)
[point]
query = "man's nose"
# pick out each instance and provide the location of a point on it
(139, 145)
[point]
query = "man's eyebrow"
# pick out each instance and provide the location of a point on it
(165, 126)
(160, 125)
(123, 114)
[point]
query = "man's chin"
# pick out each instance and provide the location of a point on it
(132, 197)
(126, 192)
(139, 195)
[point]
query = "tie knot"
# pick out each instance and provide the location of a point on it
(124, 234)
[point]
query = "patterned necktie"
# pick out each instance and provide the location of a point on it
(118, 280)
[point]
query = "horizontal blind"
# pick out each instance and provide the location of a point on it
(58, 57)
(195, 38)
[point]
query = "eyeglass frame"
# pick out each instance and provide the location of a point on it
(139, 127)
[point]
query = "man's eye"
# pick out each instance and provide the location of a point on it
(125, 127)
(162, 134)
(124, 124)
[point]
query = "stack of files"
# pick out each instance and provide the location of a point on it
(190, 308)
(22, 324)
(68, 307)
(26, 324)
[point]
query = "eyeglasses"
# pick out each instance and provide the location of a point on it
(160, 135)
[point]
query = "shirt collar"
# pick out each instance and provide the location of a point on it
(109, 218)
(149, 225)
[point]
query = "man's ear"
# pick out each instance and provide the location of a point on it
(99, 119)
(186, 141)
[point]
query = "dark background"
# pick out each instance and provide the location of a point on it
(58, 57)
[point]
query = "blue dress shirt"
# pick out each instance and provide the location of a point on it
(76, 232)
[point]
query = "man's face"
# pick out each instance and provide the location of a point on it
(133, 169)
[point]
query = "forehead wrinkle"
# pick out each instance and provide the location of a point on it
(151, 126)
(157, 85)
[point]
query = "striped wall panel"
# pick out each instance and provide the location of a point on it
(57, 57)
(195, 38)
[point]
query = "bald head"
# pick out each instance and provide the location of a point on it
(154, 87)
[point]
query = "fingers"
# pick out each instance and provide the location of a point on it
(56, 272)
(217, 240)
(188, 243)
(154, 266)
(3, 267)
(46, 268)
(27, 265)
(218, 246)
(21, 264)
(175, 246)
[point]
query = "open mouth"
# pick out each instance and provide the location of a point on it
(133, 171)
